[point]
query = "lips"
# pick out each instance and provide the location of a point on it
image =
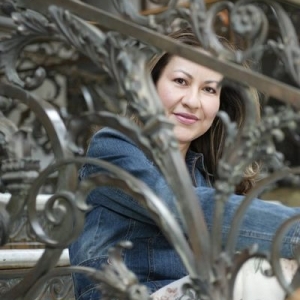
(187, 119)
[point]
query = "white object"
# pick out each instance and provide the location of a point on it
(251, 283)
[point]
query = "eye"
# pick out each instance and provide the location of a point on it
(210, 90)
(180, 81)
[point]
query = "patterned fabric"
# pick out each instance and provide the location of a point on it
(251, 283)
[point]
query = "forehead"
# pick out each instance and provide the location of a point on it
(177, 63)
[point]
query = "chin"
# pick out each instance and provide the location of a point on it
(184, 139)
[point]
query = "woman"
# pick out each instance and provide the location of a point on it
(192, 96)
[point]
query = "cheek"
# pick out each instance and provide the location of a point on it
(165, 95)
(211, 108)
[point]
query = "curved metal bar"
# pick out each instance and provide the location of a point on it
(275, 254)
(7, 25)
(55, 128)
(237, 155)
(153, 21)
(130, 129)
(238, 217)
(263, 83)
(289, 40)
(51, 121)
(119, 178)
(66, 202)
(155, 137)
(104, 50)
(11, 47)
(160, 214)
(288, 48)
(137, 135)
(238, 262)
(46, 262)
(196, 15)
(210, 37)
(96, 275)
(157, 128)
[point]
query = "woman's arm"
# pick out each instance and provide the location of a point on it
(113, 147)
(261, 220)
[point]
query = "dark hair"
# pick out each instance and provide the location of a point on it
(212, 143)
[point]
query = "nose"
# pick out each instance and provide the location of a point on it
(191, 99)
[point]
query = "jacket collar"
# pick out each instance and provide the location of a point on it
(194, 159)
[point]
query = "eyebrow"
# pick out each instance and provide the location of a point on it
(206, 81)
(213, 81)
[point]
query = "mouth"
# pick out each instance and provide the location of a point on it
(186, 119)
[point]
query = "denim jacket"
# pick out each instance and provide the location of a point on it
(115, 217)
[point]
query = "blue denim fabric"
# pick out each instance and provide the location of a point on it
(115, 217)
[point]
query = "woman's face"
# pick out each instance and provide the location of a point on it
(191, 96)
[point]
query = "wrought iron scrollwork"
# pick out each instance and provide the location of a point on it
(54, 27)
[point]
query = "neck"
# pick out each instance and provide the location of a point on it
(183, 149)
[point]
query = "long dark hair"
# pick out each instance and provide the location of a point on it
(212, 143)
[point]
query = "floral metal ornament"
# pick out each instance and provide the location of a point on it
(118, 50)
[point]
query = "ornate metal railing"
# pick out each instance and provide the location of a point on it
(67, 66)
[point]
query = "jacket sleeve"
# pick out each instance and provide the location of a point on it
(115, 148)
(259, 225)
(260, 222)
